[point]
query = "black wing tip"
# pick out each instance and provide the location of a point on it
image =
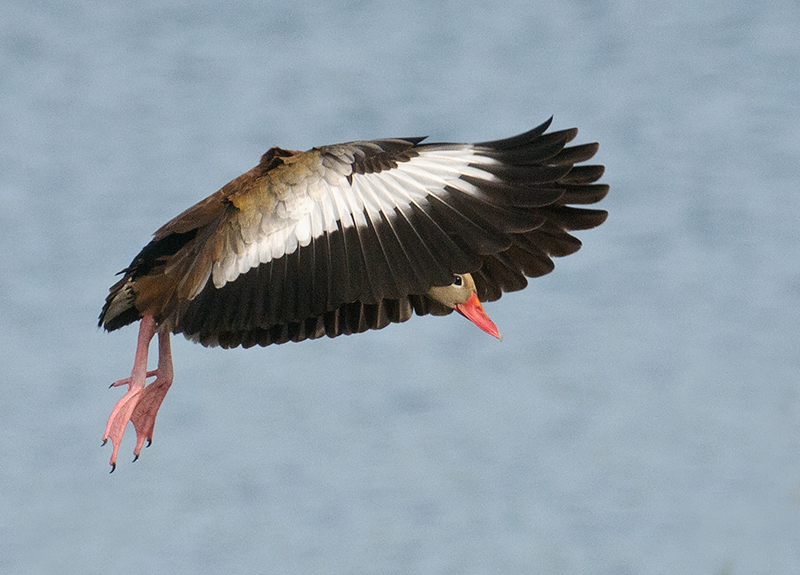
(584, 194)
(578, 219)
(519, 140)
(600, 217)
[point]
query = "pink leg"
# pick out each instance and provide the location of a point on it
(140, 403)
(127, 380)
(144, 415)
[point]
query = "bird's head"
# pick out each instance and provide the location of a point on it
(462, 296)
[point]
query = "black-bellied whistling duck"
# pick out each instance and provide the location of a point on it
(346, 238)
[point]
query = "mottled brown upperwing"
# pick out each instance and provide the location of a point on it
(180, 255)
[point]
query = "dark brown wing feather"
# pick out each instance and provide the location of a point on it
(358, 279)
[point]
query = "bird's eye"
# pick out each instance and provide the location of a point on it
(458, 281)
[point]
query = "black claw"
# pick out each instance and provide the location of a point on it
(113, 467)
(135, 457)
(149, 442)
(104, 442)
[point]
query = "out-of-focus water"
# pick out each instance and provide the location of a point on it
(642, 414)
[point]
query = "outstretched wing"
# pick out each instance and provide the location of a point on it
(350, 237)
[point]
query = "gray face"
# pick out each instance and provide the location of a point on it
(458, 292)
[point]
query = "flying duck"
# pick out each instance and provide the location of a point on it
(346, 238)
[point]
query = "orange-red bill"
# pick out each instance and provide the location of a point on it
(473, 311)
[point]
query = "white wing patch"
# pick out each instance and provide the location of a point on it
(324, 201)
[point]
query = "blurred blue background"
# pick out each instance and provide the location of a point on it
(642, 414)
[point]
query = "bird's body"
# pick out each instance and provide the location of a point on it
(346, 238)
